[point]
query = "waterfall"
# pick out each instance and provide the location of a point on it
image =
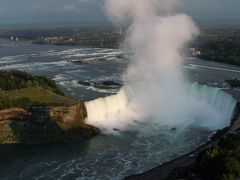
(215, 97)
(104, 108)
(101, 110)
(207, 106)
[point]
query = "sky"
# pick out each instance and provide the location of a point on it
(90, 11)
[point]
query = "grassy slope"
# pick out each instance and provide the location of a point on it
(63, 119)
(39, 95)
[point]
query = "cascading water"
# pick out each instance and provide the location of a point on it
(217, 98)
(209, 107)
(162, 116)
(214, 107)
(100, 111)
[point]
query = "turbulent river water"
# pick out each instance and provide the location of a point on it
(107, 156)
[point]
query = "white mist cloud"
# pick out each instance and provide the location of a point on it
(154, 83)
(138, 9)
(157, 37)
(155, 86)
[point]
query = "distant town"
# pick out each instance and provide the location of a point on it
(102, 37)
(219, 43)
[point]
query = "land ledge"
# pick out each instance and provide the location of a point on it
(45, 124)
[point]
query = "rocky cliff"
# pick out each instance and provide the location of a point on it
(44, 124)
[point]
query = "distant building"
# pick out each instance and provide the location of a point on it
(120, 31)
(195, 52)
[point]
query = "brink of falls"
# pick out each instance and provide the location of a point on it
(207, 107)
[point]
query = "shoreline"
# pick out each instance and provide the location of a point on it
(162, 171)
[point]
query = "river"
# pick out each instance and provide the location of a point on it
(107, 156)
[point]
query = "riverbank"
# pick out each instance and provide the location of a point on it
(34, 111)
(184, 163)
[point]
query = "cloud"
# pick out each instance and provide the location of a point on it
(60, 8)
(97, 2)
(69, 8)
(39, 7)
(2, 11)
(85, 1)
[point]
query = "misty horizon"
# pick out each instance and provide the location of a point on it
(29, 12)
(78, 24)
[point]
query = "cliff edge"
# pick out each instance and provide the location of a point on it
(43, 124)
(34, 111)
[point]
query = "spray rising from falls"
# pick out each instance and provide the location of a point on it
(209, 107)
(155, 86)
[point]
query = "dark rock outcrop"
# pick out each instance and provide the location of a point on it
(43, 125)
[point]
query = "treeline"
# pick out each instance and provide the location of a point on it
(23, 102)
(234, 83)
(13, 80)
(17, 80)
(220, 44)
(222, 162)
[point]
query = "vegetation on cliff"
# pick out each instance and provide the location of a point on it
(43, 124)
(222, 162)
(20, 89)
(12, 80)
(34, 111)
(220, 44)
(234, 83)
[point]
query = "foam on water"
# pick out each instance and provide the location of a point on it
(215, 68)
(60, 77)
(209, 107)
(109, 91)
(12, 59)
(108, 156)
(215, 106)
(105, 109)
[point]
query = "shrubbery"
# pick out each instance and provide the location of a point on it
(12, 80)
(16, 80)
(19, 102)
(223, 162)
(234, 83)
(220, 44)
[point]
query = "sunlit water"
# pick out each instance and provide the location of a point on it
(113, 156)
(102, 157)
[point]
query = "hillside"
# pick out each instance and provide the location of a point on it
(20, 89)
(34, 111)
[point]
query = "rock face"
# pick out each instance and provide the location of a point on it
(43, 125)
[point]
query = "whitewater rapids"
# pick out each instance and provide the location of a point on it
(209, 107)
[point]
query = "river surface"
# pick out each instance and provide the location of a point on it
(111, 156)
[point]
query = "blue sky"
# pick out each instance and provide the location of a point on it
(90, 11)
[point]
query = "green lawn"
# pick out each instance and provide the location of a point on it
(39, 95)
